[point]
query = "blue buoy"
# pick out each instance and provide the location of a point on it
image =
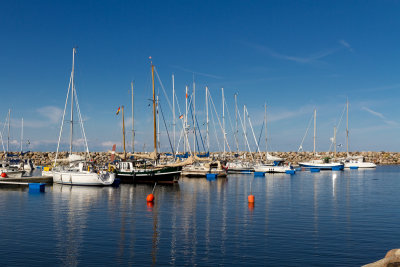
(36, 187)
(211, 176)
(259, 174)
(290, 171)
(315, 169)
(353, 167)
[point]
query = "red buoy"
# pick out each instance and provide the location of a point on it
(150, 198)
(250, 198)
(4, 175)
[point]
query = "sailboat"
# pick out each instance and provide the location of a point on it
(324, 164)
(354, 162)
(272, 164)
(238, 165)
(146, 168)
(7, 167)
(78, 171)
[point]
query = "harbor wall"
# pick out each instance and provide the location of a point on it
(380, 158)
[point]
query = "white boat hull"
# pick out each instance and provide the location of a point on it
(359, 165)
(12, 173)
(271, 169)
(83, 178)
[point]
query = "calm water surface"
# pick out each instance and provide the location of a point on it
(346, 218)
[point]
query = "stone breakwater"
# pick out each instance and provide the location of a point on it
(381, 158)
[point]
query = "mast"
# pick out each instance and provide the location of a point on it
(158, 125)
(223, 116)
(208, 141)
(244, 124)
(72, 100)
(173, 109)
(154, 110)
(237, 128)
(334, 139)
(8, 135)
(133, 121)
(194, 117)
(186, 113)
(22, 132)
(266, 136)
(347, 128)
(123, 131)
(315, 126)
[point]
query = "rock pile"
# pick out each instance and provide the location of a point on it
(381, 158)
(392, 258)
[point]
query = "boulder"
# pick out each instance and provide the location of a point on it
(392, 259)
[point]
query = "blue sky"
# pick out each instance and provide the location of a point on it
(293, 55)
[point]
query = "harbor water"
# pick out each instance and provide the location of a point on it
(341, 218)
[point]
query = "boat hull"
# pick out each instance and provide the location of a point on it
(162, 175)
(322, 166)
(83, 178)
(360, 165)
(272, 169)
(13, 174)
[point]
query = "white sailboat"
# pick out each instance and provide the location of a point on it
(354, 162)
(278, 165)
(324, 164)
(78, 171)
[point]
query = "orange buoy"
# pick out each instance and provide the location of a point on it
(4, 175)
(150, 198)
(150, 205)
(250, 198)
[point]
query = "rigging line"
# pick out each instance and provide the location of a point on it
(245, 135)
(62, 121)
(81, 122)
(338, 126)
(262, 128)
(162, 86)
(194, 119)
(305, 135)
(230, 121)
(251, 127)
(201, 136)
(219, 122)
(180, 137)
(169, 139)
(215, 131)
(1, 135)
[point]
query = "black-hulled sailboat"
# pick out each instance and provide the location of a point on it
(146, 168)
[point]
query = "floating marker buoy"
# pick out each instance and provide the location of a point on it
(250, 198)
(4, 175)
(150, 198)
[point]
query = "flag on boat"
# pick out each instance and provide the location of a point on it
(181, 116)
(119, 108)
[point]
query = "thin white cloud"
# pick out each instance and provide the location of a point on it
(52, 113)
(312, 58)
(346, 44)
(381, 116)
